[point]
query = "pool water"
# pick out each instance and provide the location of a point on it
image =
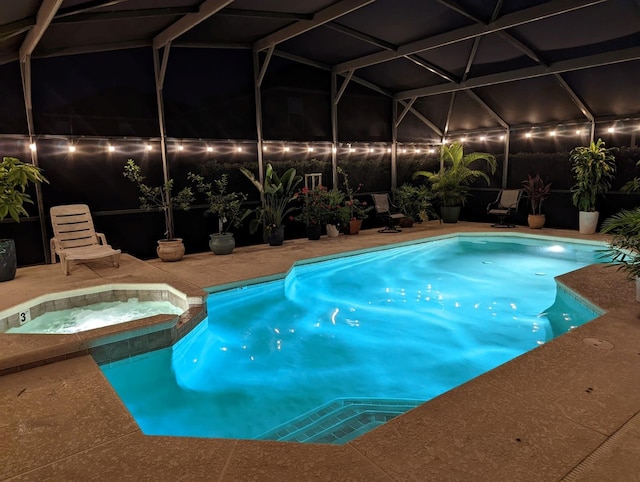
(96, 315)
(341, 346)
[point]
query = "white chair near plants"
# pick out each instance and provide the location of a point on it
(75, 238)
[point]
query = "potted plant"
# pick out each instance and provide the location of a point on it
(536, 190)
(451, 184)
(624, 245)
(593, 169)
(335, 213)
(312, 213)
(415, 203)
(159, 198)
(358, 210)
(15, 176)
(276, 192)
(227, 206)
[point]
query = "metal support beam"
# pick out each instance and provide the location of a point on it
(258, 101)
(319, 18)
(491, 112)
(505, 164)
(265, 65)
(521, 17)
(343, 87)
(394, 146)
(574, 97)
(45, 14)
(186, 23)
(570, 65)
(423, 119)
(159, 70)
(334, 130)
(452, 101)
(405, 111)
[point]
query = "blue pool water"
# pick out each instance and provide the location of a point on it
(341, 346)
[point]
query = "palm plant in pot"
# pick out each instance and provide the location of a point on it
(227, 206)
(593, 168)
(159, 198)
(15, 176)
(451, 184)
(536, 190)
(276, 193)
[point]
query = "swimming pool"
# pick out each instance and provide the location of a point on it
(339, 347)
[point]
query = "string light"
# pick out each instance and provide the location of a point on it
(578, 132)
(239, 149)
(611, 130)
(181, 147)
(72, 148)
(483, 138)
(148, 147)
(528, 134)
(552, 133)
(32, 146)
(309, 149)
(111, 148)
(209, 149)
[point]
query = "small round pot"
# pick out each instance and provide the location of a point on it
(276, 236)
(222, 243)
(170, 249)
(314, 231)
(536, 221)
(405, 222)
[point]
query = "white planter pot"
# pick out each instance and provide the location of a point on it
(332, 231)
(588, 221)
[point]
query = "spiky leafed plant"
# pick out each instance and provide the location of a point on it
(536, 190)
(593, 168)
(277, 192)
(451, 184)
(624, 245)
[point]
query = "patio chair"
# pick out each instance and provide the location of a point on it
(386, 211)
(75, 238)
(505, 205)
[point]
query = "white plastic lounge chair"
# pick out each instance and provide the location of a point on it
(383, 207)
(75, 238)
(505, 205)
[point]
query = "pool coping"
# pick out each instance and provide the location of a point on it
(504, 425)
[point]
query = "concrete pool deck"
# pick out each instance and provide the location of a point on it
(569, 409)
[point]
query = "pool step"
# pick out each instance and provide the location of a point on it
(340, 420)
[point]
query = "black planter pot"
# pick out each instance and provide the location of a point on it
(314, 231)
(8, 259)
(276, 237)
(450, 214)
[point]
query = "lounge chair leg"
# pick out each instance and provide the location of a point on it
(115, 260)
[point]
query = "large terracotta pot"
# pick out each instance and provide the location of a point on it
(222, 243)
(170, 249)
(536, 221)
(353, 227)
(8, 259)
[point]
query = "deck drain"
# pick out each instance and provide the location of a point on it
(598, 343)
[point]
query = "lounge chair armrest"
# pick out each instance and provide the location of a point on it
(101, 237)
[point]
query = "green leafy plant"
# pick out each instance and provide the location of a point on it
(15, 176)
(415, 202)
(536, 190)
(158, 197)
(451, 184)
(624, 245)
(335, 210)
(593, 169)
(226, 205)
(276, 193)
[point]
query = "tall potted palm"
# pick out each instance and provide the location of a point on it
(276, 192)
(15, 176)
(451, 184)
(159, 198)
(593, 167)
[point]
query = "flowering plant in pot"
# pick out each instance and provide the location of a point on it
(313, 213)
(536, 190)
(15, 176)
(358, 209)
(159, 198)
(227, 206)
